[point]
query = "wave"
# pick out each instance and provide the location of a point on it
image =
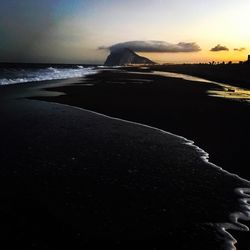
(20, 75)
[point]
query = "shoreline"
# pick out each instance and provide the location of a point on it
(227, 230)
(235, 75)
(197, 218)
(111, 79)
(80, 92)
(106, 80)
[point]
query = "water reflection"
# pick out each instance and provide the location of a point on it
(183, 76)
(232, 93)
(226, 91)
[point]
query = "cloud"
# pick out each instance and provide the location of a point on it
(239, 49)
(219, 48)
(155, 46)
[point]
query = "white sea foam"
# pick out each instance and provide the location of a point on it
(44, 74)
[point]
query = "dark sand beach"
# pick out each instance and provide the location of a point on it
(76, 179)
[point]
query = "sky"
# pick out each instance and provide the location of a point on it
(84, 31)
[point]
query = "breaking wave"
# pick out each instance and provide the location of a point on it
(24, 75)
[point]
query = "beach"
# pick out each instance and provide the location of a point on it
(219, 126)
(107, 160)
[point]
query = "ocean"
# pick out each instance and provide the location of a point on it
(23, 73)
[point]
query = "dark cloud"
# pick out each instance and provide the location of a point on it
(219, 48)
(22, 28)
(155, 46)
(239, 49)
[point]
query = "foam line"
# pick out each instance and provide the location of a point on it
(244, 193)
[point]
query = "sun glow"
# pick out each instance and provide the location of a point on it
(72, 31)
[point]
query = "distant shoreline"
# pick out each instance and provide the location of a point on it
(232, 74)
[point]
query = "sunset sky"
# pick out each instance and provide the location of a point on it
(81, 31)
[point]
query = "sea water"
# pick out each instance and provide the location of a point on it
(23, 73)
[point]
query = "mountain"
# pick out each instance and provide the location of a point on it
(121, 57)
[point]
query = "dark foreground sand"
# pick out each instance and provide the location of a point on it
(71, 178)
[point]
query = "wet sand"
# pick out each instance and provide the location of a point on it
(219, 126)
(232, 74)
(77, 179)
